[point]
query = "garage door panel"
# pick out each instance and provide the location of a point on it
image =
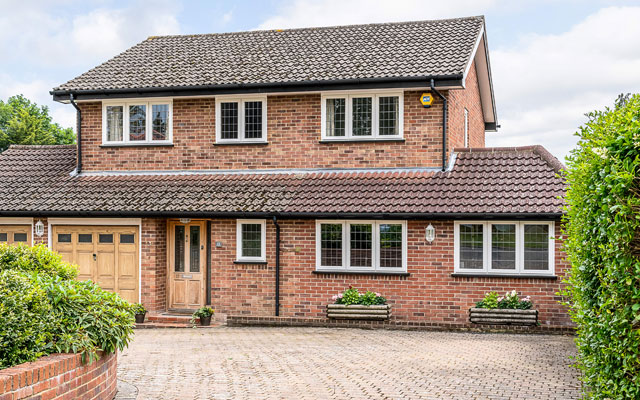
(101, 257)
(15, 234)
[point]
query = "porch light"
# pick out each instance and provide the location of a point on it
(430, 233)
(39, 228)
(185, 220)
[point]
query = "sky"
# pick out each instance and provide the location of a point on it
(552, 60)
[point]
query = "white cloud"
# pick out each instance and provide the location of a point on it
(84, 39)
(546, 83)
(304, 13)
(227, 17)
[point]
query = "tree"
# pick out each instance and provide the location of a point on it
(603, 245)
(24, 122)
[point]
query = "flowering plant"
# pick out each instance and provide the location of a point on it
(510, 300)
(352, 296)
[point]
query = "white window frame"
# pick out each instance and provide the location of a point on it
(241, 118)
(149, 103)
(466, 128)
(486, 239)
(346, 247)
(263, 241)
(375, 115)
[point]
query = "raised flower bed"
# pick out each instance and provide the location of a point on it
(506, 310)
(353, 305)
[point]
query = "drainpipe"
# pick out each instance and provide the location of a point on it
(277, 225)
(444, 125)
(78, 130)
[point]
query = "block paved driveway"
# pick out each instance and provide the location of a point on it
(322, 363)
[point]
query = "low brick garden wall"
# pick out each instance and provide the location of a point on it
(60, 376)
(246, 320)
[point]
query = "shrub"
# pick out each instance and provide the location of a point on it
(35, 259)
(602, 224)
(139, 308)
(510, 300)
(26, 325)
(352, 296)
(44, 310)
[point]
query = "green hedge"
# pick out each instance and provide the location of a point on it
(44, 310)
(603, 226)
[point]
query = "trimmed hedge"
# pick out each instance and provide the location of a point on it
(44, 310)
(603, 228)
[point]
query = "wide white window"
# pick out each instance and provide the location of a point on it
(137, 122)
(241, 120)
(251, 240)
(374, 246)
(504, 247)
(362, 116)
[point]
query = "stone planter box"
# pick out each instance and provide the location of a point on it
(503, 316)
(356, 311)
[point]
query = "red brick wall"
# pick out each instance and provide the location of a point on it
(429, 294)
(293, 134)
(60, 376)
(154, 263)
(458, 101)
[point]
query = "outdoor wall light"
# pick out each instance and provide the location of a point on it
(430, 233)
(185, 220)
(39, 228)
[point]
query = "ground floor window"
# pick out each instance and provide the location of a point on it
(378, 246)
(504, 247)
(250, 238)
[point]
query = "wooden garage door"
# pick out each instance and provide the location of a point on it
(107, 255)
(15, 234)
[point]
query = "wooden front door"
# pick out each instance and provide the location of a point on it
(186, 265)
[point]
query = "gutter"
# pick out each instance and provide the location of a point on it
(277, 225)
(78, 130)
(335, 84)
(282, 215)
(444, 125)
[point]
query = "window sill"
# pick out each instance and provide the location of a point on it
(240, 143)
(136, 145)
(368, 140)
(377, 273)
(250, 262)
(523, 276)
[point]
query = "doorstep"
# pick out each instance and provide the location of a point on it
(169, 319)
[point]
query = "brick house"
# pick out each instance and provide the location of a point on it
(263, 172)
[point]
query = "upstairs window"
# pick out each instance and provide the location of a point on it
(362, 116)
(136, 122)
(241, 120)
(505, 247)
(361, 246)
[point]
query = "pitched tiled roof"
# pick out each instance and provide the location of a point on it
(391, 50)
(521, 180)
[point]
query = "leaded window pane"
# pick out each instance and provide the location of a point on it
(229, 120)
(160, 121)
(390, 245)
(361, 244)
(114, 123)
(536, 247)
(3, 237)
(19, 237)
(336, 117)
(471, 243)
(389, 111)
(251, 240)
(137, 122)
(253, 120)
(179, 248)
(362, 116)
(503, 246)
(194, 248)
(331, 245)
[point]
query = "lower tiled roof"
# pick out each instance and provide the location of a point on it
(521, 180)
